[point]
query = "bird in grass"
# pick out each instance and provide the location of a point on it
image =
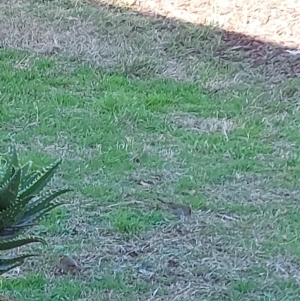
(177, 209)
(68, 264)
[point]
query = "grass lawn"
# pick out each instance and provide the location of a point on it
(130, 136)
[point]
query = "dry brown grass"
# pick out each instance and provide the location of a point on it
(116, 39)
(271, 21)
(205, 125)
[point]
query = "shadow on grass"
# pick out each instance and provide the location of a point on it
(198, 42)
(141, 45)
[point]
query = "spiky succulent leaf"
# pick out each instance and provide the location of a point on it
(21, 205)
(7, 167)
(7, 267)
(8, 263)
(15, 243)
(42, 201)
(21, 208)
(7, 233)
(12, 215)
(42, 205)
(25, 169)
(2, 173)
(39, 181)
(9, 192)
(14, 156)
(38, 215)
(10, 165)
(29, 179)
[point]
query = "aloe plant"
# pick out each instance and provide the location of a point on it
(23, 202)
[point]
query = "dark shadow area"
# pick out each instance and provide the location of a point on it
(241, 48)
(228, 46)
(139, 44)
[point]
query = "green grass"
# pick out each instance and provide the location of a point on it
(113, 132)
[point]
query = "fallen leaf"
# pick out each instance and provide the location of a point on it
(145, 183)
(146, 273)
(189, 192)
(227, 217)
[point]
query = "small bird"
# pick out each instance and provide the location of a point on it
(178, 209)
(68, 264)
